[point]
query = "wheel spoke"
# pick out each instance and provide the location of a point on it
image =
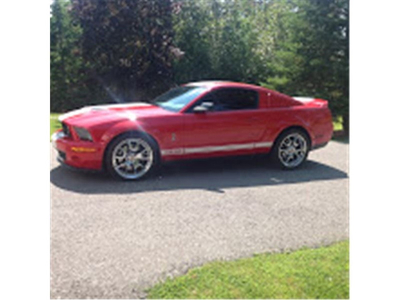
(134, 148)
(120, 157)
(122, 165)
(142, 155)
(121, 153)
(137, 165)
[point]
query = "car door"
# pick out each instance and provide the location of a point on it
(232, 121)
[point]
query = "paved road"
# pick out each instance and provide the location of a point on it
(112, 239)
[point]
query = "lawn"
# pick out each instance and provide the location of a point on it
(306, 273)
(337, 124)
(54, 124)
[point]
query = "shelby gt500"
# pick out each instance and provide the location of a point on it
(196, 120)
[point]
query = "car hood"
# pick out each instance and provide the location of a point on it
(93, 115)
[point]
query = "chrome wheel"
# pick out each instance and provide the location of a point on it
(292, 150)
(132, 158)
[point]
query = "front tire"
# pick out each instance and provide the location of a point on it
(131, 156)
(291, 149)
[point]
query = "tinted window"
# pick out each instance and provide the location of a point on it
(230, 99)
(235, 99)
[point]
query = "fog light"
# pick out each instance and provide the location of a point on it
(83, 149)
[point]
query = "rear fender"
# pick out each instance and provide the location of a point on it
(282, 122)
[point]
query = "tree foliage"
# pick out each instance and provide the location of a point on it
(128, 44)
(127, 50)
(64, 59)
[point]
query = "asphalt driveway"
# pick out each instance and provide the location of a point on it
(112, 239)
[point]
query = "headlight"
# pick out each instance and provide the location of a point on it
(83, 134)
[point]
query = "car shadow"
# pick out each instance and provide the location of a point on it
(211, 174)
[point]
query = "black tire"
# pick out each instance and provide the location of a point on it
(291, 149)
(131, 156)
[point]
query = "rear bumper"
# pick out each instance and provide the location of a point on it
(324, 136)
(315, 147)
(77, 154)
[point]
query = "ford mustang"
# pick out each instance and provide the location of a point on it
(196, 120)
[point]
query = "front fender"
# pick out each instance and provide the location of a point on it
(119, 128)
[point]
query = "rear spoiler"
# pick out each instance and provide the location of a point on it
(312, 101)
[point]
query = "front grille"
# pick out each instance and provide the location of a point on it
(65, 129)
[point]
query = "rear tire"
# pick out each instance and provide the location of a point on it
(291, 149)
(131, 156)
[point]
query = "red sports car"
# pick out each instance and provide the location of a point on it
(196, 120)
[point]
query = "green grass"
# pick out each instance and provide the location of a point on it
(337, 124)
(54, 124)
(306, 273)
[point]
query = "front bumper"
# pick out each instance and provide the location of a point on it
(77, 154)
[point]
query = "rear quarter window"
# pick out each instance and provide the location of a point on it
(235, 99)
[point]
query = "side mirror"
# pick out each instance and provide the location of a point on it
(200, 109)
(204, 107)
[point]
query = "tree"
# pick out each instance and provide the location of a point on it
(281, 47)
(128, 44)
(326, 49)
(62, 38)
(310, 54)
(70, 86)
(219, 39)
(192, 36)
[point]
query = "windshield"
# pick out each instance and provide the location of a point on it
(178, 98)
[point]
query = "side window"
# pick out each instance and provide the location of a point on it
(207, 99)
(235, 99)
(228, 99)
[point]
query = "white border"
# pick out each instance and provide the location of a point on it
(374, 179)
(25, 150)
(374, 167)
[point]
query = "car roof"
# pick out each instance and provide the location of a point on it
(212, 84)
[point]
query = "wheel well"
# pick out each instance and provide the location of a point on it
(302, 129)
(131, 132)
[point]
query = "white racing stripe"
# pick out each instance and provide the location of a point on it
(100, 107)
(210, 149)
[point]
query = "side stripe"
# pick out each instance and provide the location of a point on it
(210, 149)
